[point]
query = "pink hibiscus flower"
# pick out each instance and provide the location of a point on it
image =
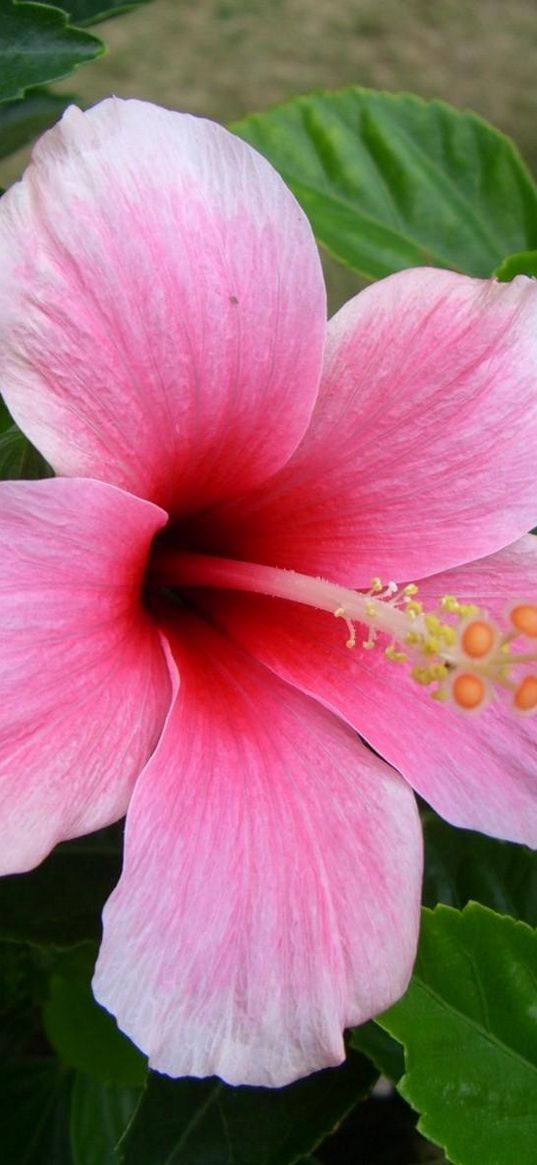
(164, 345)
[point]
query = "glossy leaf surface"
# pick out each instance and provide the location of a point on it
(468, 1023)
(192, 1122)
(390, 181)
(25, 119)
(461, 865)
(37, 45)
(99, 1115)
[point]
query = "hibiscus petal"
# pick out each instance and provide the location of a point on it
(420, 454)
(162, 309)
(84, 683)
(270, 892)
(479, 772)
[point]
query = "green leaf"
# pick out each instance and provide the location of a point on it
(468, 1023)
(24, 974)
(525, 263)
(34, 1087)
(19, 459)
(90, 11)
(61, 901)
(37, 45)
(193, 1122)
(5, 417)
(99, 1115)
(34, 1107)
(83, 1034)
(390, 181)
(461, 865)
(21, 121)
(385, 1053)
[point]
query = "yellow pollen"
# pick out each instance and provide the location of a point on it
(431, 645)
(525, 697)
(432, 624)
(467, 609)
(396, 656)
(412, 638)
(524, 618)
(468, 690)
(340, 613)
(461, 660)
(477, 639)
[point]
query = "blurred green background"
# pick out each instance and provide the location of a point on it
(225, 58)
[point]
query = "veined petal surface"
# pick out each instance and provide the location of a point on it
(84, 682)
(162, 308)
(479, 771)
(271, 884)
(421, 451)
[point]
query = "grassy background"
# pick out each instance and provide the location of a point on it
(225, 58)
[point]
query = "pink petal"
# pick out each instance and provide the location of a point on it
(271, 885)
(84, 684)
(479, 772)
(421, 452)
(162, 310)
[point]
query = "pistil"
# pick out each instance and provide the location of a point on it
(458, 651)
(378, 614)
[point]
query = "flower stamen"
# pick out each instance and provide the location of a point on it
(456, 649)
(524, 619)
(525, 697)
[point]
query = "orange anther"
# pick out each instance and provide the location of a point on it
(524, 618)
(468, 690)
(477, 639)
(525, 698)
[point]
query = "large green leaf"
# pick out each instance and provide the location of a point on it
(18, 458)
(193, 1122)
(34, 1112)
(461, 865)
(34, 1087)
(24, 974)
(90, 11)
(5, 418)
(37, 45)
(525, 263)
(385, 1052)
(468, 1023)
(21, 121)
(99, 1115)
(61, 901)
(390, 181)
(82, 1033)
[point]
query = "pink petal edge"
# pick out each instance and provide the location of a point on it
(84, 682)
(271, 886)
(420, 453)
(162, 307)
